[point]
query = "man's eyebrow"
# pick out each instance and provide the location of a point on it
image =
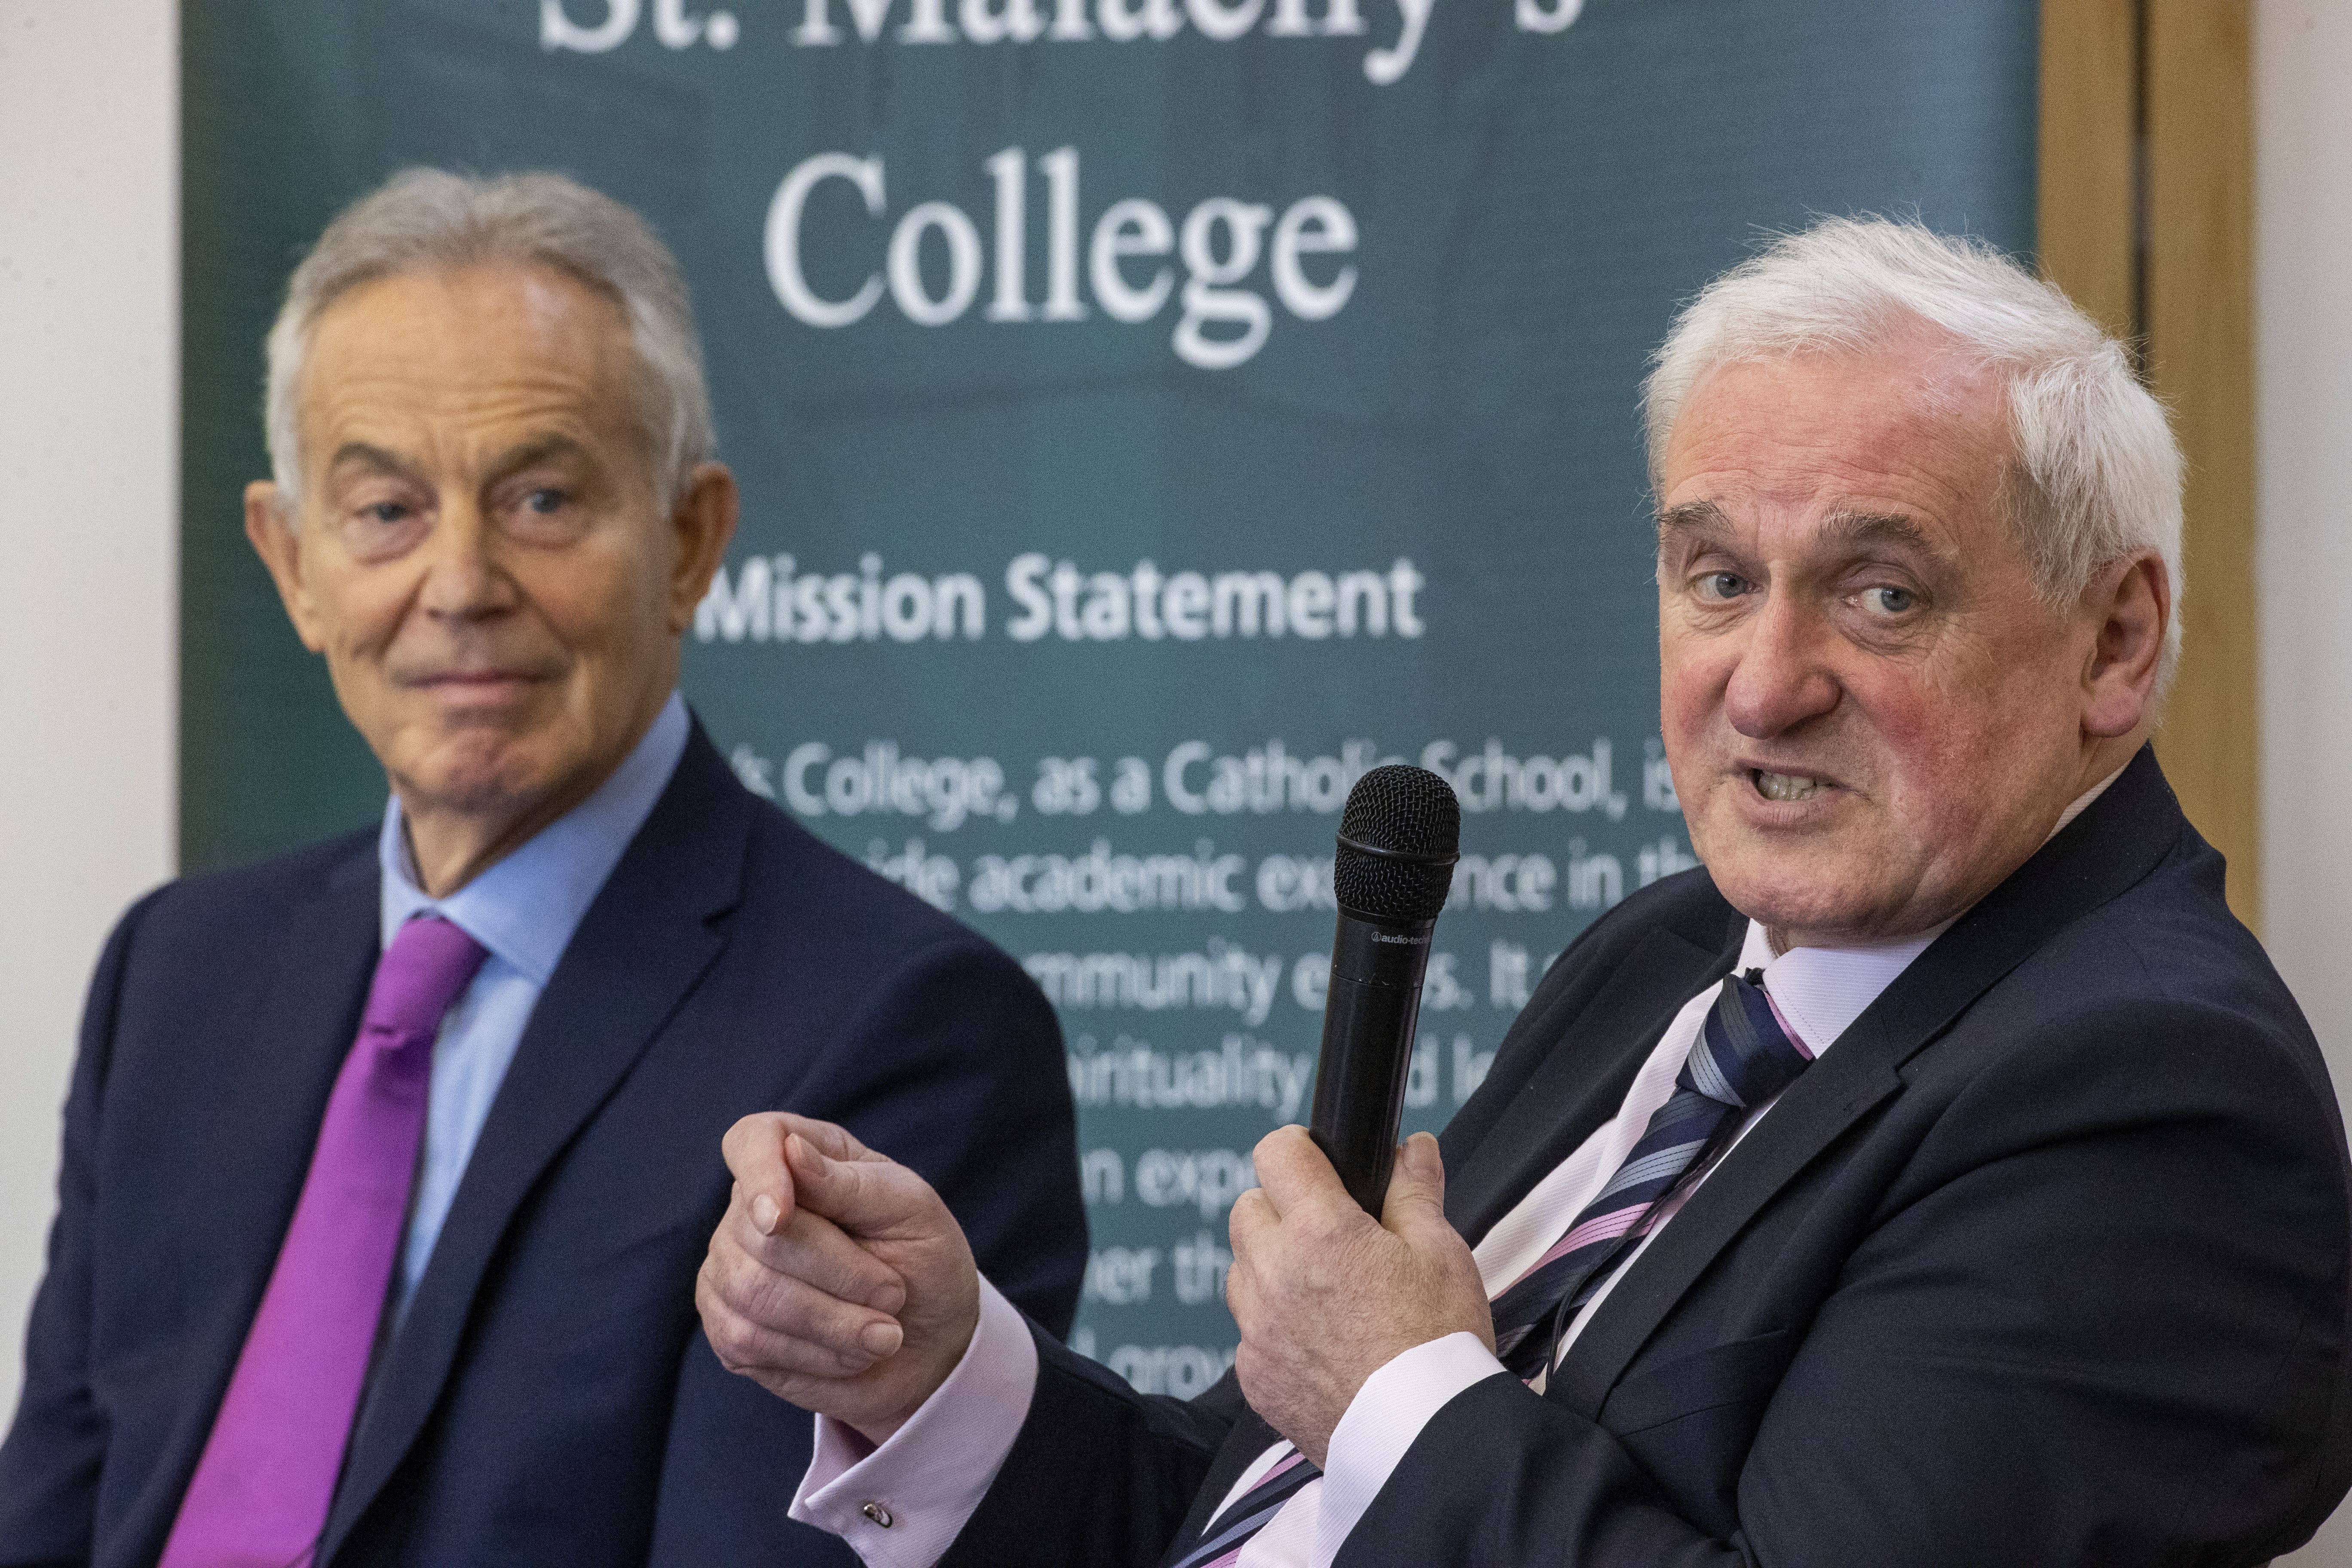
(1848, 527)
(1854, 528)
(1692, 517)
(538, 449)
(373, 456)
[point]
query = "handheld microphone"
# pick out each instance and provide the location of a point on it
(1399, 838)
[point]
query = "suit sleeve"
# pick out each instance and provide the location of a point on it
(50, 1462)
(1100, 1476)
(2098, 1317)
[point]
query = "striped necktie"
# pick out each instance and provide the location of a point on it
(1743, 1056)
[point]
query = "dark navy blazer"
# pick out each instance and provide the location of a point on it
(2046, 1263)
(549, 1398)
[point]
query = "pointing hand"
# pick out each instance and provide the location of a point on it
(837, 1279)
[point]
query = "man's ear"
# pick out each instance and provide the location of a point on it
(703, 521)
(270, 527)
(2130, 603)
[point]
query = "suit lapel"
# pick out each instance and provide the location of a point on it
(2115, 843)
(1579, 1086)
(644, 944)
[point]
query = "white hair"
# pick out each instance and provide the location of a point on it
(2095, 473)
(429, 219)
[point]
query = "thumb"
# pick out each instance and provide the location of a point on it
(1416, 1194)
(754, 1148)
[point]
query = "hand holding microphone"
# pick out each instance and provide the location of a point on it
(1343, 1257)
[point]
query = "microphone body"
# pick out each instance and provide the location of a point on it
(1397, 847)
(1369, 1016)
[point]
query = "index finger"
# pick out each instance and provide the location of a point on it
(832, 1140)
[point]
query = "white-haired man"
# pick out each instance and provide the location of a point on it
(388, 1165)
(1939, 1176)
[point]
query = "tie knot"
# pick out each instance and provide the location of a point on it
(430, 961)
(1743, 1055)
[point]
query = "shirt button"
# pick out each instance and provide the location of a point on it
(876, 1512)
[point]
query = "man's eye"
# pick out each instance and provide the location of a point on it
(1890, 601)
(384, 529)
(545, 502)
(1722, 585)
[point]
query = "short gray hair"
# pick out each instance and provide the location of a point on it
(2095, 473)
(429, 219)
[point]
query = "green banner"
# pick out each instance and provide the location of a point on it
(1151, 415)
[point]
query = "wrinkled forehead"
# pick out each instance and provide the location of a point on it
(1918, 377)
(1910, 430)
(495, 345)
(478, 322)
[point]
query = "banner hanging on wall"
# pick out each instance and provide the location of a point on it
(1151, 415)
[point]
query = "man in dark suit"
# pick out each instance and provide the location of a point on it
(1941, 1175)
(388, 1165)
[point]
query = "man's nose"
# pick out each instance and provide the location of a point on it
(463, 579)
(1782, 679)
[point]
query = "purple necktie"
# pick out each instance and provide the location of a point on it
(260, 1492)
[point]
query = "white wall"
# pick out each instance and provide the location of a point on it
(90, 507)
(2303, 386)
(2302, 303)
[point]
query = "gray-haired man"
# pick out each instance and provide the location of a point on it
(388, 1165)
(1938, 1177)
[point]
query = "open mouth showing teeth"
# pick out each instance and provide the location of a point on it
(1784, 786)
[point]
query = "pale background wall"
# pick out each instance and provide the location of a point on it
(88, 502)
(2302, 314)
(2303, 302)
(89, 246)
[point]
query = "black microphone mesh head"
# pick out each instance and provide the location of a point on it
(1411, 813)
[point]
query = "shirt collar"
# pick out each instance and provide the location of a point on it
(1822, 990)
(525, 906)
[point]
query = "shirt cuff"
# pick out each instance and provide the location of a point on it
(1381, 1422)
(903, 1504)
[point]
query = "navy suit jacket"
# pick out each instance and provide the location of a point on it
(550, 1397)
(2045, 1263)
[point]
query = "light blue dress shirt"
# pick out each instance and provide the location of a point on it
(523, 909)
